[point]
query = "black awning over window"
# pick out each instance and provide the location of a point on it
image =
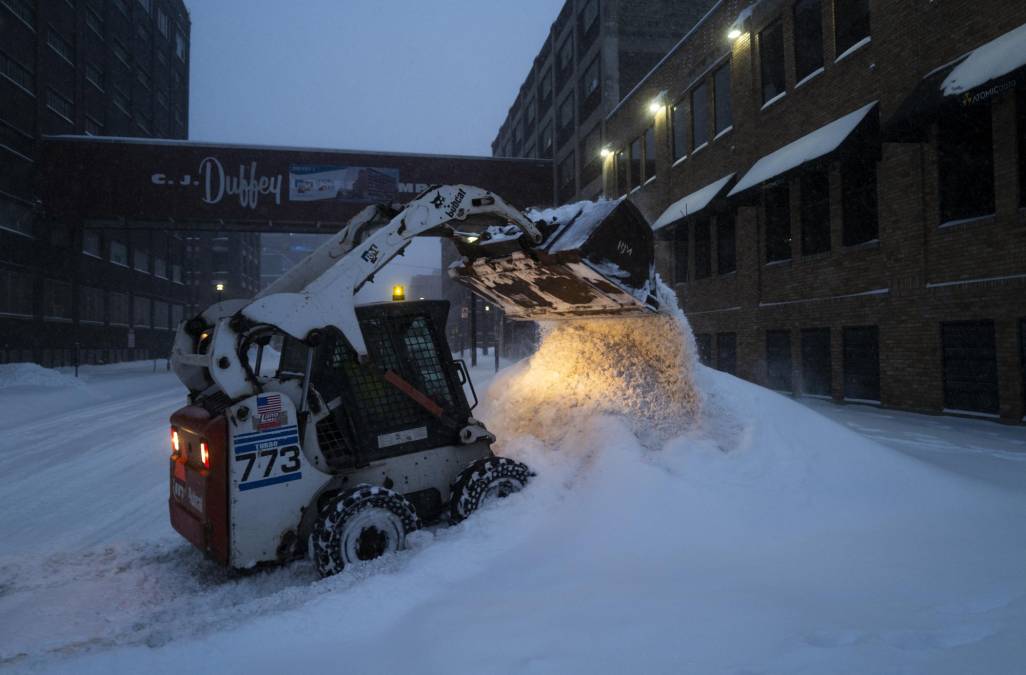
(972, 79)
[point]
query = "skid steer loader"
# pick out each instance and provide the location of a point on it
(315, 427)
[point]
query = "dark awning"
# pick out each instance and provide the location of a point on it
(691, 204)
(971, 79)
(820, 143)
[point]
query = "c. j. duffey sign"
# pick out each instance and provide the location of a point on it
(249, 186)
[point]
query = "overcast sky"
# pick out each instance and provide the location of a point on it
(433, 76)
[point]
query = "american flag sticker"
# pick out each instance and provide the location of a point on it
(268, 413)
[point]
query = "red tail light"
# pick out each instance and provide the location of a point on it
(205, 454)
(176, 447)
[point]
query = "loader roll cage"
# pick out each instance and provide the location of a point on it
(407, 396)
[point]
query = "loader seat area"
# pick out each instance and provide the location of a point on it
(368, 411)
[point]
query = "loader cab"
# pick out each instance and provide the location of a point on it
(406, 398)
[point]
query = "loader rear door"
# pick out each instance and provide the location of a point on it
(377, 418)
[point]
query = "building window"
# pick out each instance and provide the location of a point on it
(851, 24)
(16, 73)
(121, 6)
(60, 105)
(141, 260)
(118, 253)
(703, 249)
(862, 363)
(621, 173)
(56, 299)
(771, 59)
(546, 141)
(567, 176)
(726, 243)
(965, 161)
(94, 21)
(119, 51)
(92, 126)
(163, 24)
(141, 312)
(636, 162)
(530, 113)
(589, 14)
(117, 308)
(591, 157)
(970, 366)
(545, 89)
(700, 116)
(679, 122)
(94, 75)
(180, 46)
(808, 37)
(681, 254)
(815, 211)
(15, 293)
(147, 5)
(778, 360)
(589, 92)
(62, 47)
(23, 9)
(704, 343)
(566, 54)
(726, 352)
(120, 100)
(1021, 133)
(816, 365)
(160, 315)
(650, 153)
(91, 244)
(176, 273)
(566, 118)
(159, 268)
(144, 34)
(177, 314)
(858, 200)
(144, 78)
(90, 307)
(777, 214)
(721, 90)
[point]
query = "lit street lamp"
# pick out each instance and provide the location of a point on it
(219, 287)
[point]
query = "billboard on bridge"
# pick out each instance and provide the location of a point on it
(256, 188)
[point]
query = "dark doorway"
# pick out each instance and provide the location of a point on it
(862, 363)
(778, 360)
(970, 366)
(816, 361)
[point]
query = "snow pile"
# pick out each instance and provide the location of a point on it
(639, 368)
(34, 375)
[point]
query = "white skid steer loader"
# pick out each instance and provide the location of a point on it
(362, 430)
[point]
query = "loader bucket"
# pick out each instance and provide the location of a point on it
(597, 260)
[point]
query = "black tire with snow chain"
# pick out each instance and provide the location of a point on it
(484, 480)
(358, 525)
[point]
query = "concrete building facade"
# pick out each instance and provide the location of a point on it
(840, 199)
(595, 52)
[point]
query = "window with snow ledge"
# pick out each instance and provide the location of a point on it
(1021, 105)
(726, 243)
(771, 60)
(681, 251)
(703, 248)
(679, 122)
(851, 25)
(815, 211)
(721, 92)
(700, 116)
(650, 154)
(965, 163)
(859, 200)
(808, 38)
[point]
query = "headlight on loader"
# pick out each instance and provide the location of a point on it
(205, 454)
(176, 446)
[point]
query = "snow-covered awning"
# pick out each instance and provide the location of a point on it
(820, 142)
(692, 204)
(976, 77)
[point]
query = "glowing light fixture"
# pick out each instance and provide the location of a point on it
(487, 308)
(658, 103)
(740, 25)
(471, 238)
(219, 287)
(734, 33)
(398, 293)
(606, 151)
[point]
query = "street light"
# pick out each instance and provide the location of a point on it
(219, 287)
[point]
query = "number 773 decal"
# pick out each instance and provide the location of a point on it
(267, 458)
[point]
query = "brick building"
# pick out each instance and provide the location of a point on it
(839, 193)
(596, 50)
(115, 67)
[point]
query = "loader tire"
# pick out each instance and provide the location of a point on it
(360, 524)
(483, 481)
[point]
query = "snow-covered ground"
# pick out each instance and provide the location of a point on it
(765, 539)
